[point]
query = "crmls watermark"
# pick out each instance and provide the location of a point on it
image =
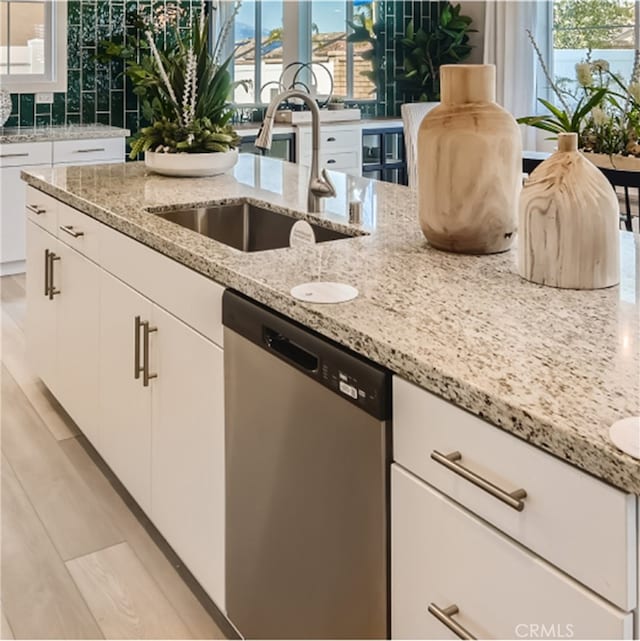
(544, 631)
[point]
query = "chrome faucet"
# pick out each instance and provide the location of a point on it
(320, 185)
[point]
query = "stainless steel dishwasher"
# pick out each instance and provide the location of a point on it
(307, 461)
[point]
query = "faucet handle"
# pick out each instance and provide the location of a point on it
(331, 190)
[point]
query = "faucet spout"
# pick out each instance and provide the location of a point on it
(320, 185)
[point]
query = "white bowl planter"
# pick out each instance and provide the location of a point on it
(191, 165)
(615, 161)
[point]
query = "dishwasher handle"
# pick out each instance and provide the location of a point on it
(289, 350)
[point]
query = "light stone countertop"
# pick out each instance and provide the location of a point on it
(554, 367)
(10, 135)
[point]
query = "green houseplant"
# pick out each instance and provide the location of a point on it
(434, 43)
(604, 111)
(184, 91)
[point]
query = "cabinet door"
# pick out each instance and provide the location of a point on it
(78, 316)
(125, 404)
(188, 449)
(12, 223)
(40, 324)
(443, 556)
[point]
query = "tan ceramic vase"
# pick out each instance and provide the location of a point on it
(569, 221)
(469, 165)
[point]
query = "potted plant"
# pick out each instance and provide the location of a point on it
(434, 43)
(604, 112)
(184, 91)
(336, 103)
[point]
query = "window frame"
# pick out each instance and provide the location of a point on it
(55, 77)
(298, 44)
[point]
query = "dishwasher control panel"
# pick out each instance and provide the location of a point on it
(347, 384)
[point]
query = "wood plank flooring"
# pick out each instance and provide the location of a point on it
(76, 561)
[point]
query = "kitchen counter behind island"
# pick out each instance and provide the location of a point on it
(555, 367)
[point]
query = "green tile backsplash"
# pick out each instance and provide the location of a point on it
(96, 92)
(99, 92)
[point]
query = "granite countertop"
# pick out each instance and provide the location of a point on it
(554, 367)
(60, 132)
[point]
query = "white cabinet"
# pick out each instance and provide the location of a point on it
(41, 319)
(340, 147)
(125, 401)
(162, 424)
(77, 324)
(13, 159)
(442, 556)
(62, 324)
(187, 449)
(507, 533)
(16, 157)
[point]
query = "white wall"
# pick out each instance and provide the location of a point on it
(475, 9)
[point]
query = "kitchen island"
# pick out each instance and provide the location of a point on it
(554, 367)
(478, 356)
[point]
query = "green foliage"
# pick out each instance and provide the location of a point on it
(562, 122)
(578, 24)
(434, 43)
(364, 29)
(172, 129)
(200, 137)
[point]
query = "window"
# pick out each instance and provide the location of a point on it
(33, 45)
(609, 28)
(316, 30)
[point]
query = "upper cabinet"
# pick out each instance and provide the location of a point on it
(33, 45)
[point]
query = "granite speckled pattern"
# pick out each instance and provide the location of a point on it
(60, 132)
(554, 367)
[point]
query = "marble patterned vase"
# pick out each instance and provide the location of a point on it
(569, 221)
(469, 165)
(5, 106)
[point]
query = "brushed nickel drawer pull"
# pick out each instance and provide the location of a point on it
(450, 461)
(15, 155)
(88, 151)
(146, 377)
(137, 369)
(445, 616)
(46, 272)
(36, 210)
(71, 231)
(52, 257)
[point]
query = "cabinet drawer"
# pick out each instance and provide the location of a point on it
(79, 231)
(79, 152)
(192, 297)
(443, 555)
(25, 153)
(578, 523)
(42, 209)
(332, 139)
(341, 161)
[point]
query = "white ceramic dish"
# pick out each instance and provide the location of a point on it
(191, 165)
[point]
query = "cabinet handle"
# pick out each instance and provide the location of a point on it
(146, 377)
(445, 616)
(450, 461)
(51, 257)
(88, 151)
(331, 139)
(46, 272)
(137, 369)
(331, 161)
(71, 231)
(15, 155)
(36, 210)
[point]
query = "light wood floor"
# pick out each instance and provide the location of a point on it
(76, 562)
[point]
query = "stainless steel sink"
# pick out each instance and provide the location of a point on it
(244, 226)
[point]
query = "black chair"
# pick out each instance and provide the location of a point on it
(627, 181)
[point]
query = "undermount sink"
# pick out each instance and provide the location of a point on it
(245, 226)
